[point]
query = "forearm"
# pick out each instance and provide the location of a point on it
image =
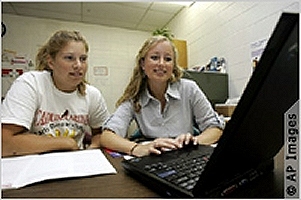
(27, 143)
(209, 136)
(115, 142)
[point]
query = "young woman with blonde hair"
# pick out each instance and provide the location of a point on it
(53, 108)
(164, 106)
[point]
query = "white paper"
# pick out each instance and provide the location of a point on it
(23, 170)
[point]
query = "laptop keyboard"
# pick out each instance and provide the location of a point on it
(181, 172)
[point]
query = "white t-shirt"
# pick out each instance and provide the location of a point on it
(35, 103)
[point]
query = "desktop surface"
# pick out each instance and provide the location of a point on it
(121, 185)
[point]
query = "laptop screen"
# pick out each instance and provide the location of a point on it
(255, 132)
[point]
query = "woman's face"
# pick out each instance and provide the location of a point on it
(69, 66)
(159, 62)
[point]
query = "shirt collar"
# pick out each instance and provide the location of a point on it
(172, 91)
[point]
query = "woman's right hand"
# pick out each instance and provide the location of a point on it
(156, 146)
(145, 149)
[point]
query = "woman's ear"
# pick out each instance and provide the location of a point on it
(50, 62)
(142, 64)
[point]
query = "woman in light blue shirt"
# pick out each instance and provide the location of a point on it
(164, 106)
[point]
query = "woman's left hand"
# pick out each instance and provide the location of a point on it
(185, 139)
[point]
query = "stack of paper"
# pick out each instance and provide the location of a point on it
(23, 170)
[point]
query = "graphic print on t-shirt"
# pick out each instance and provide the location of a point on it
(65, 124)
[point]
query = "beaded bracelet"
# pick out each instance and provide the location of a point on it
(132, 149)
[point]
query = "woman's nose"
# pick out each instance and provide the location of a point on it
(161, 61)
(77, 63)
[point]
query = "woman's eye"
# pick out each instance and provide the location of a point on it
(69, 57)
(83, 59)
(168, 59)
(154, 57)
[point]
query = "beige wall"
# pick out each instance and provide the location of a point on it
(113, 48)
(223, 29)
(227, 29)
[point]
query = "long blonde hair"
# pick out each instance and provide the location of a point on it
(138, 81)
(56, 42)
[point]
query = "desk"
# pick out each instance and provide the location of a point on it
(121, 185)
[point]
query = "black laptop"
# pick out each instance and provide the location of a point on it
(251, 139)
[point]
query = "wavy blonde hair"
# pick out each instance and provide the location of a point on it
(138, 81)
(56, 42)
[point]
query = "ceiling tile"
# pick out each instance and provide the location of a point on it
(114, 12)
(156, 18)
(143, 5)
(7, 8)
(143, 16)
(49, 14)
(55, 7)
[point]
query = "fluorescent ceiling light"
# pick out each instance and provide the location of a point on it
(183, 3)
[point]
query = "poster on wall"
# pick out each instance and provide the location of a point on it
(12, 66)
(257, 49)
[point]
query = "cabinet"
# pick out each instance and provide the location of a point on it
(214, 85)
(181, 46)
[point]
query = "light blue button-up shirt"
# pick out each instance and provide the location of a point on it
(185, 103)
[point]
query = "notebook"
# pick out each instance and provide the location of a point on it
(250, 140)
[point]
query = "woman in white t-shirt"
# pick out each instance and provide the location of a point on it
(53, 108)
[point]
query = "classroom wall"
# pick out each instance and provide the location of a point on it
(227, 29)
(222, 29)
(113, 49)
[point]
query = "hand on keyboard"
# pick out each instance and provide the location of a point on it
(155, 147)
(160, 145)
(168, 144)
(186, 139)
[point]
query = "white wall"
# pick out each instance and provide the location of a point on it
(113, 48)
(223, 29)
(227, 29)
